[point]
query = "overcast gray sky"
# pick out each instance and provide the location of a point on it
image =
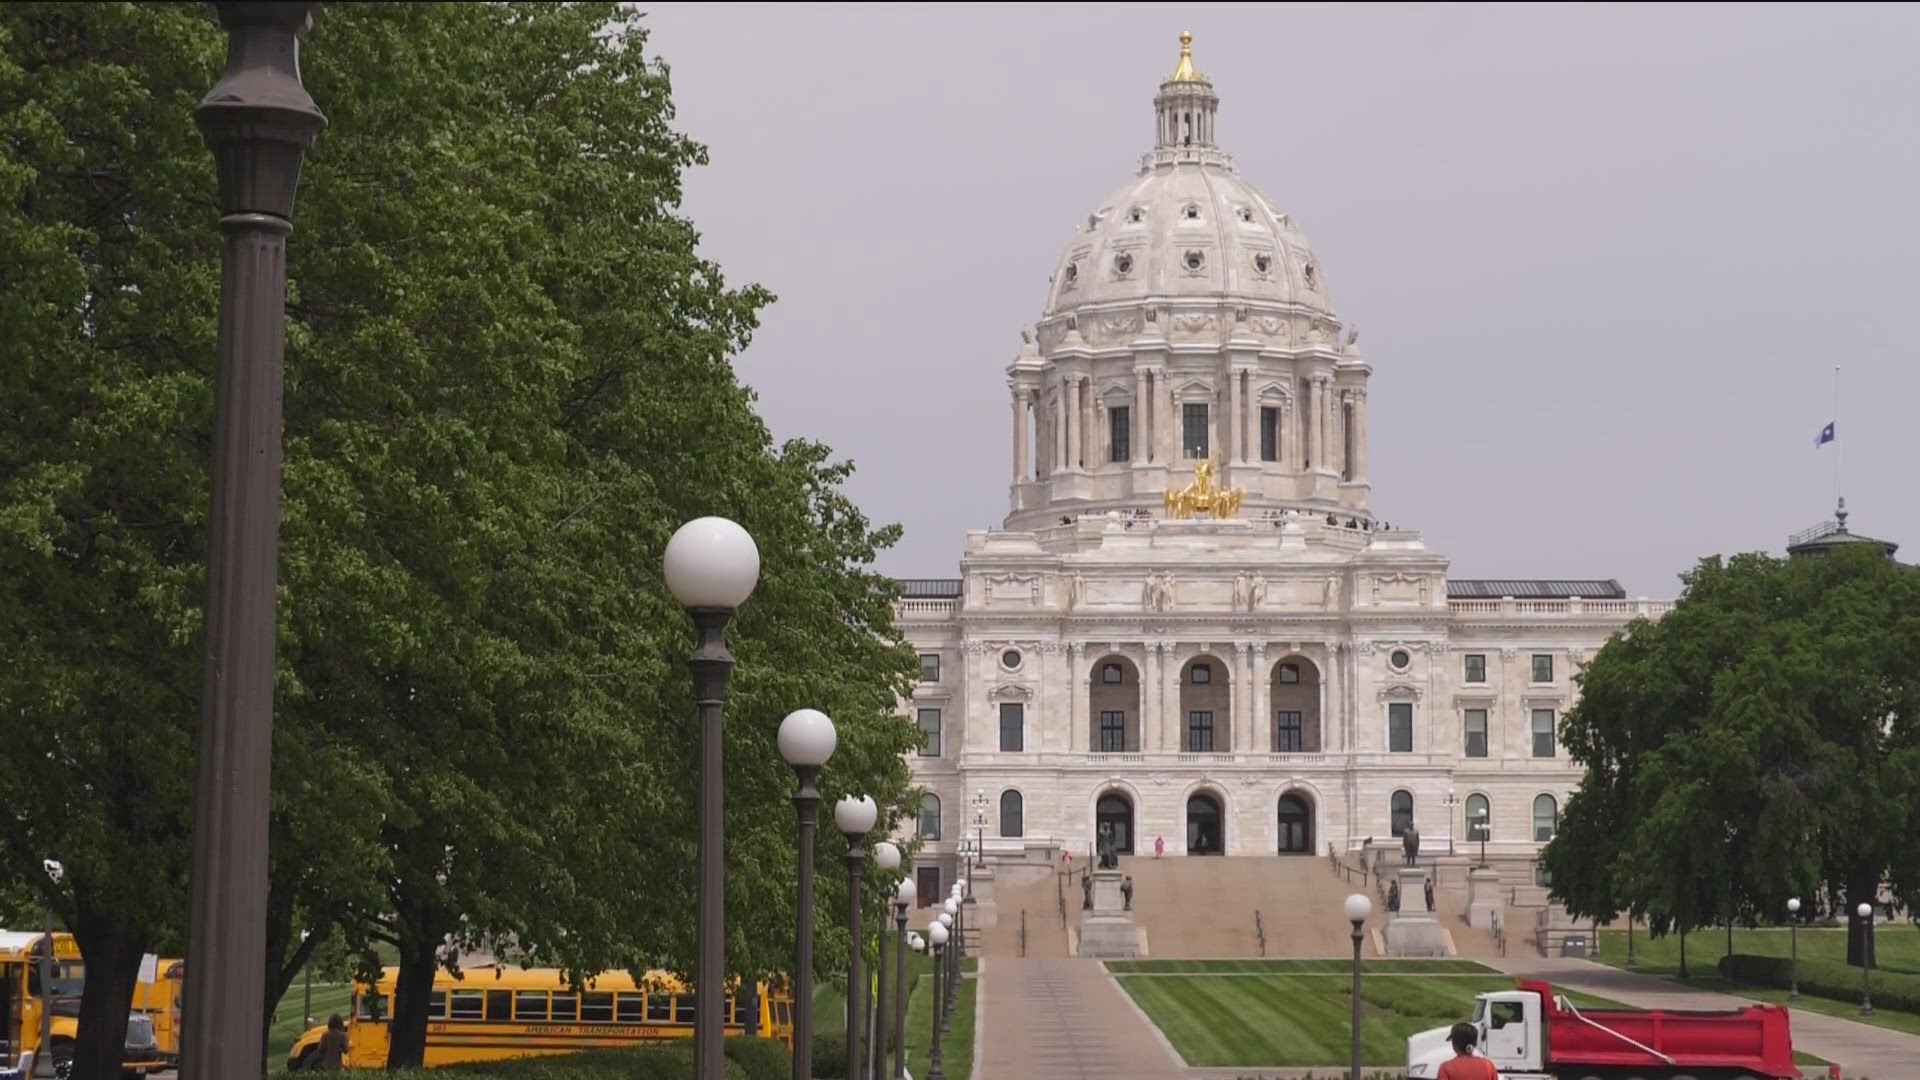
(1603, 259)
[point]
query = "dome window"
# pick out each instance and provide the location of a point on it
(1073, 273)
(1122, 264)
(1246, 213)
(1192, 212)
(1195, 261)
(1307, 272)
(1135, 215)
(1263, 263)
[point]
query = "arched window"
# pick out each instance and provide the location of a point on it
(1402, 807)
(1010, 815)
(1479, 818)
(929, 816)
(1546, 815)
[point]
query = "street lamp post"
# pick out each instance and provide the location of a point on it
(855, 817)
(1451, 802)
(1865, 911)
(937, 940)
(712, 566)
(56, 872)
(306, 1009)
(807, 740)
(979, 835)
(1358, 908)
(1793, 937)
(1480, 832)
(903, 898)
(951, 917)
(1630, 936)
(886, 856)
(259, 121)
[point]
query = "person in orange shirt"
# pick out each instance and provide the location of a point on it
(1466, 1065)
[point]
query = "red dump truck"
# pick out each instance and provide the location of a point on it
(1530, 1034)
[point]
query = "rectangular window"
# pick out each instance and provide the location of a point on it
(683, 1009)
(1400, 727)
(1286, 732)
(1201, 673)
(530, 1005)
(1013, 726)
(566, 1008)
(929, 667)
(1200, 731)
(1290, 674)
(468, 1005)
(1113, 731)
(1269, 434)
(1120, 433)
(499, 1006)
(631, 1008)
(659, 1009)
(596, 1008)
(1476, 733)
(1193, 430)
(1542, 667)
(1476, 667)
(437, 1005)
(1543, 733)
(930, 732)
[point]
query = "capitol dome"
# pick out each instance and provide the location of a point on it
(1187, 226)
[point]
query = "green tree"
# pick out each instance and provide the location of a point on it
(507, 383)
(1761, 741)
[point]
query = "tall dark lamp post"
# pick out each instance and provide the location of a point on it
(886, 856)
(1793, 938)
(806, 740)
(1865, 911)
(1358, 908)
(903, 898)
(855, 818)
(259, 121)
(979, 835)
(712, 566)
(952, 951)
(937, 941)
(56, 872)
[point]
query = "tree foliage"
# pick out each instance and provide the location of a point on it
(507, 383)
(1761, 741)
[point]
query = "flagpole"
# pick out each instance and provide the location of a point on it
(1837, 448)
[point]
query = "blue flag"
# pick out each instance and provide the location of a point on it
(1825, 436)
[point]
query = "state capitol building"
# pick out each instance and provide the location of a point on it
(1191, 627)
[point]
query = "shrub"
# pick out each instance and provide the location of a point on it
(1827, 979)
(760, 1059)
(638, 1063)
(830, 1055)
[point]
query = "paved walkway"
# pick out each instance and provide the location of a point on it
(1065, 1020)
(1861, 1049)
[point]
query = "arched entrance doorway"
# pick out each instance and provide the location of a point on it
(1206, 833)
(1113, 823)
(1296, 825)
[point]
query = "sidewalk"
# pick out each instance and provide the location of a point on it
(1065, 1020)
(1861, 1049)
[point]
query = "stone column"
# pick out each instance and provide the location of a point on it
(1076, 699)
(1250, 422)
(1260, 731)
(1165, 434)
(1149, 704)
(1304, 430)
(1326, 425)
(1020, 474)
(1360, 435)
(1171, 721)
(1242, 698)
(1056, 430)
(1236, 451)
(1137, 449)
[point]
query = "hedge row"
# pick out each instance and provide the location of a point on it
(1827, 979)
(747, 1059)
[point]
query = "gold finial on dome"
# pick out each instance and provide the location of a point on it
(1185, 72)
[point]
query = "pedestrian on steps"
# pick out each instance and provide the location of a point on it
(1159, 846)
(1126, 892)
(1466, 1065)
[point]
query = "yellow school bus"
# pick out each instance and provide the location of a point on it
(24, 1005)
(160, 1001)
(491, 1012)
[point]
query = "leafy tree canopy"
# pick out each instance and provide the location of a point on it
(507, 383)
(1761, 741)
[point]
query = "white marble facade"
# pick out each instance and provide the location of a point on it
(1343, 670)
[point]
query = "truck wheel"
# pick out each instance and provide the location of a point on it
(63, 1060)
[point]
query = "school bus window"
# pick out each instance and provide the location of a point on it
(437, 1005)
(659, 1009)
(499, 1005)
(728, 1011)
(631, 1008)
(468, 1005)
(371, 1008)
(781, 1013)
(596, 1008)
(683, 1009)
(566, 1007)
(530, 1005)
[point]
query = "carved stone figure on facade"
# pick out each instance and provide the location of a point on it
(1242, 591)
(1109, 856)
(1159, 592)
(1202, 497)
(1410, 846)
(1257, 594)
(1332, 596)
(1076, 590)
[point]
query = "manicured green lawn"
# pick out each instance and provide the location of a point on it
(1294, 967)
(956, 1047)
(1897, 946)
(1256, 1020)
(288, 1023)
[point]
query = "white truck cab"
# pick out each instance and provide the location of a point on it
(1510, 1036)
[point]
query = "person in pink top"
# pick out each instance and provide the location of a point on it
(1159, 846)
